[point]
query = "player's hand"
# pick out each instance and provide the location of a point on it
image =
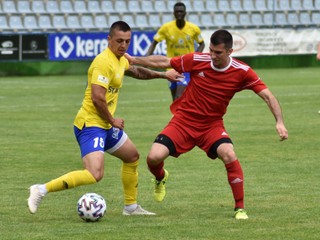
(118, 123)
(173, 76)
(282, 131)
(129, 58)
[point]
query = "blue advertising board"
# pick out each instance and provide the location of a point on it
(85, 46)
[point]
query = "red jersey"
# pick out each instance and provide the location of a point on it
(210, 89)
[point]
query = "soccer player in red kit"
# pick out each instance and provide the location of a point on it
(198, 113)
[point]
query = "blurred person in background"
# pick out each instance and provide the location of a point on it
(180, 36)
(96, 128)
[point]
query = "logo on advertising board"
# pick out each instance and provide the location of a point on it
(239, 42)
(9, 47)
(140, 44)
(76, 46)
(34, 47)
(6, 47)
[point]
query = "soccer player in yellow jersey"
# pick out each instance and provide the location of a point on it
(98, 131)
(180, 36)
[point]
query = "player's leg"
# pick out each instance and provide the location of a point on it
(168, 142)
(155, 160)
(217, 144)
(66, 181)
(158, 153)
(235, 177)
(173, 89)
(91, 142)
(181, 86)
(173, 140)
(129, 156)
(179, 90)
(92, 173)
(123, 148)
(234, 171)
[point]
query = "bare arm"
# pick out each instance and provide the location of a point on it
(154, 61)
(98, 96)
(151, 48)
(318, 54)
(275, 108)
(145, 74)
(200, 47)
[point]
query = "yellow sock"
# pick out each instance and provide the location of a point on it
(129, 176)
(70, 180)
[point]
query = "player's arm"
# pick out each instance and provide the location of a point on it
(200, 47)
(152, 48)
(145, 74)
(318, 54)
(98, 96)
(275, 108)
(153, 61)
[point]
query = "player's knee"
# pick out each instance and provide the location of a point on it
(133, 157)
(228, 156)
(153, 159)
(226, 153)
(130, 156)
(98, 175)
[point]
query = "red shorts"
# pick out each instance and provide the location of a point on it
(185, 136)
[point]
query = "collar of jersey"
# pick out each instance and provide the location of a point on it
(222, 69)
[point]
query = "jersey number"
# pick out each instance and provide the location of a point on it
(98, 141)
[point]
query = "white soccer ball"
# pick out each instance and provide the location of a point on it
(91, 207)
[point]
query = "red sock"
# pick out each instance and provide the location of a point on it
(235, 178)
(157, 170)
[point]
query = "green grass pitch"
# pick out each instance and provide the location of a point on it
(281, 178)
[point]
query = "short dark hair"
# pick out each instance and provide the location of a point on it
(119, 25)
(222, 36)
(179, 4)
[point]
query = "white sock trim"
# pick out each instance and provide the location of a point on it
(131, 207)
(42, 188)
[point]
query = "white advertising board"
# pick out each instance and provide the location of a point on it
(256, 42)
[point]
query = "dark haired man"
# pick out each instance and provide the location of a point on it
(198, 114)
(98, 131)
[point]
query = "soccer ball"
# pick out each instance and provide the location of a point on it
(91, 207)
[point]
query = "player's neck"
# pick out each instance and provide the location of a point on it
(180, 23)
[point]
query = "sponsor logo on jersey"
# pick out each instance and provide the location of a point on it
(103, 79)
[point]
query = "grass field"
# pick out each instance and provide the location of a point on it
(282, 178)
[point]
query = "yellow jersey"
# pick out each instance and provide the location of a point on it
(107, 71)
(179, 41)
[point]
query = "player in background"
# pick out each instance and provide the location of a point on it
(198, 114)
(180, 36)
(96, 128)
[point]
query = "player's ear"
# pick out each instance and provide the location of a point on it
(229, 51)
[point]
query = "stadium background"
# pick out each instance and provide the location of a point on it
(37, 141)
(36, 36)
